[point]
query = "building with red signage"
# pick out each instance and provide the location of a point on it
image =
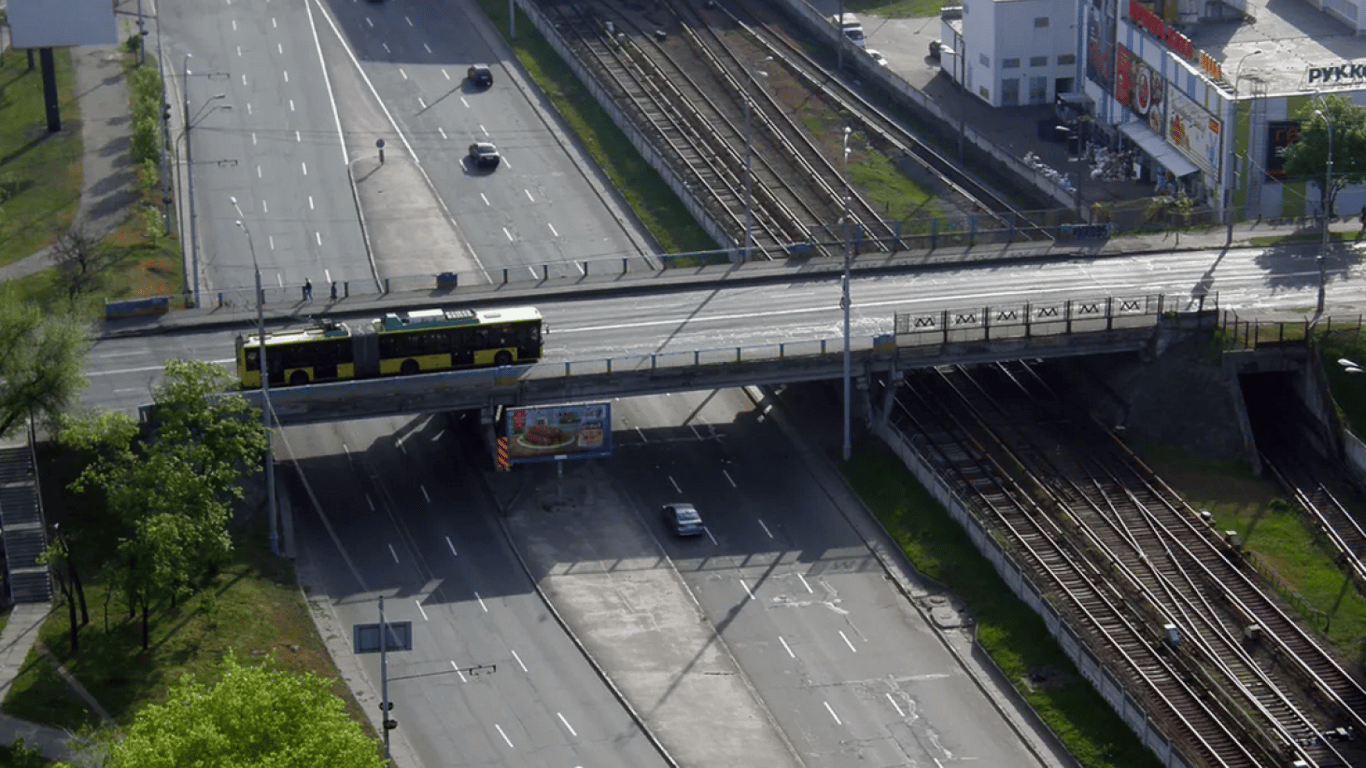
(1210, 102)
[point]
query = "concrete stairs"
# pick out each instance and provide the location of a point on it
(21, 525)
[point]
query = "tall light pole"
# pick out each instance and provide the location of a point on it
(846, 304)
(1327, 209)
(749, 165)
(960, 59)
(189, 168)
(1231, 144)
(265, 383)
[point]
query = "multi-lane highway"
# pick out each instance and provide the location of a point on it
(306, 91)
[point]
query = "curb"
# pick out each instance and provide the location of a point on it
(364, 230)
(880, 550)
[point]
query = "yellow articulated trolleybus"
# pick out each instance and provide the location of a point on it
(398, 344)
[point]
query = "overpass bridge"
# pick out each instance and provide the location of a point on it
(1059, 328)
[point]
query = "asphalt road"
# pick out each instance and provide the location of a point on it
(491, 680)
(123, 370)
(851, 672)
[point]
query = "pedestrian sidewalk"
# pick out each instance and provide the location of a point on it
(18, 638)
(108, 180)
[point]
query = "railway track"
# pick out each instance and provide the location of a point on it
(764, 25)
(1095, 610)
(1290, 688)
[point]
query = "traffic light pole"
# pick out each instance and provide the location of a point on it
(384, 706)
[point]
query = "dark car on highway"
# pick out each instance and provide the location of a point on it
(484, 155)
(480, 75)
(683, 520)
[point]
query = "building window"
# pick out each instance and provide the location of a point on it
(1010, 92)
(1040, 22)
(985, 59)
(1038, 61)
(1010, 63)
(1038, 90)
(1067, 59)
(985, 93)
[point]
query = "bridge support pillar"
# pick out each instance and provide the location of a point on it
(888, 396)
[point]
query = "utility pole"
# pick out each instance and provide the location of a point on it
(1327, 211)
(385, 705)
(265, 385)
(847, 304)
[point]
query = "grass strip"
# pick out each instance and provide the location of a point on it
(40, 172)
(1007, 629)
(653, 201)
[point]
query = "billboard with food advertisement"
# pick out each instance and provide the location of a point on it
(1140, 88)
(556, 432)
(1193, 131)
(1100, 43)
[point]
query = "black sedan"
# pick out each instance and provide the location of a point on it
(484, 155)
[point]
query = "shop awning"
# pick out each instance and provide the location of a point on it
(1160, 150)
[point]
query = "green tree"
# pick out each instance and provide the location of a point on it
(1308, 158)
(250, 715)
(221, 434)
(42, 357)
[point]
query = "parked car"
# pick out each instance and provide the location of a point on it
(683, 520)
(480, 75)
(484, 155)
(877, 57)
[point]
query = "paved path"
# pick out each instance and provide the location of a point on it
(17, 639)
(109, 181)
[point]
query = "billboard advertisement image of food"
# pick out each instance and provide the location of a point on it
(555, 432)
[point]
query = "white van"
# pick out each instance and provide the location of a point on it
(852, 27)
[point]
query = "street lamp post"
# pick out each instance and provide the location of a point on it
(189, 168)
(265, 382)
(1231, 141)
(960, 60)
(846, 304)
(1327, 211)
(749, 165)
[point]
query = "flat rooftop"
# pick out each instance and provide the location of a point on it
(1282, 46)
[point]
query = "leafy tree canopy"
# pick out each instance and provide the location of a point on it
(1307, 158)
(42, 358)
(258, 716)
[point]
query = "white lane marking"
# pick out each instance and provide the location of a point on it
(466, 103)
(317, 235)
(428, 47)
(747, 589)
(845, 638)
(519, 662)
(393, 552)
(368, 21)
(441, 131)
(368, 500)
(804, 584)
(572, 732)
(410, 21)
(528, 195)
(327, 273)
(452, 546)
(674, 483)
(265, 207)
(509, 234)
(421, 103)
(327, 82)
(786, 647)
(485, 199)
(310, 202)
(532, 271)
(713, 538)
(424, 493)
(552, 229)
(506, 164)
(234, 29)
(448, 77)
(291, 105)
(258, 171)
(438, 435)
(280, 48)
(286, 73)
(273, 23)
(730, 479)
(248, 105)
(239, 48)
(304, 165)
(832, 713)
(146, 368)
(504, 735)
(424, 613)
(401, 72)
(895, 705)
(298, 138)
(766, 530)
(345, 447)
(579, 267)
(125, 390)
(485, 130)
(253, 138)
(481, 602)
(279, 278)
(643, 438)
(457, 670)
